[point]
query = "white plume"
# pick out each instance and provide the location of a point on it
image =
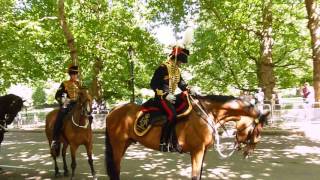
(188, 36)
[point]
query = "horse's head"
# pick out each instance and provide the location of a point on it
(85, 101)
(10, 106)
(248, 132)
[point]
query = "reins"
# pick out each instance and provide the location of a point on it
(81, 114)
(211, 124)
(3, 127)
(249, 138)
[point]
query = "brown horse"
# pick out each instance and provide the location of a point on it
(76, 131)
(195, 132)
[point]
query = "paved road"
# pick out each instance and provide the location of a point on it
(25, 156)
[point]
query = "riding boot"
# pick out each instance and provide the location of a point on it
(57, 128)
(175, 146)
(165, 143)
(165, 135)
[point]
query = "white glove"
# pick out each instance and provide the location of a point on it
(193, 91)
(66, 102)
(171, 98)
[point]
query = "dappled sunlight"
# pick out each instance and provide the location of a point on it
(311, 130)
(29, 158)
(276, 157)
(221, 172)
(303, 150)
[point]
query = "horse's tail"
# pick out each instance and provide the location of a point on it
(109, 162)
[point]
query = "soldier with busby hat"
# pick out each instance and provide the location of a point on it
(166, 79)
(66, 96)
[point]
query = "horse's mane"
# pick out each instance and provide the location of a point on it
(218, 98)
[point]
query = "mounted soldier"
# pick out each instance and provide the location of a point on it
(66, 96)
(166, 79)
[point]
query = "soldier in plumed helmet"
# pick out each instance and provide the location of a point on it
(166, 79)
(66, 96)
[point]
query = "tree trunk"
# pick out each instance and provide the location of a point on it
(314, 28)
(265, 70)
(67, 33)
(96, 88)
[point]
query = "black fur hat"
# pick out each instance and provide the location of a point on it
(73, 69)
(181, 53)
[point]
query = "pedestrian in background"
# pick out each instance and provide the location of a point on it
(307, 93)
(259, 96)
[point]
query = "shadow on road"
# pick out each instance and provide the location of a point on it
(26, 156)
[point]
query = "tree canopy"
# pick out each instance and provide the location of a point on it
(226, 51)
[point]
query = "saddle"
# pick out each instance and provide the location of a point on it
(151, 115)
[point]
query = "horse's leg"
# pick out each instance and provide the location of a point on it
(54, 156)
(114, 154)
(73, 149)
(197, 161)
(90, 161)
(56, 168)
(65, 166)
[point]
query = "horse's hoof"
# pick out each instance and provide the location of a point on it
(57, 174)
(94, 177)
(66, 173)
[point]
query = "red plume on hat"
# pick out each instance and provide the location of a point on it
(180, 52)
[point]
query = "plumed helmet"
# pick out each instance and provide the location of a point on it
(72, 69)
(181, 53)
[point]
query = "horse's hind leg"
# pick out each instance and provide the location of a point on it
(65, 167)
(120, 149)
(90, 161)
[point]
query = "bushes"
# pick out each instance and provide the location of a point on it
(39, 96)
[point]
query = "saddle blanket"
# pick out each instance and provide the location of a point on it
(151, 114)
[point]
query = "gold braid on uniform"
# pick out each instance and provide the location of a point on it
(174, 76)
(72, 88)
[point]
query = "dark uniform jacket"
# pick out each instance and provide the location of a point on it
(160, 81)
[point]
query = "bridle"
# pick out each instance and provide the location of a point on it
(213, 126)
(3, 125)
(85, 111)
(204, 115)
(6, 116)
(250, 138)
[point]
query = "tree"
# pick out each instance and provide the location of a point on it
(243, 44)
(265, 65)
(39, 96)
(314, 27)
(67, 33)
(33, 47)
